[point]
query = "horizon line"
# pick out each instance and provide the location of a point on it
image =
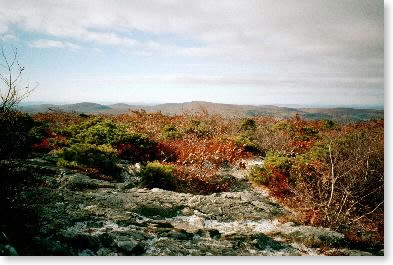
(305, 105)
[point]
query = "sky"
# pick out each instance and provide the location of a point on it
(156, 51)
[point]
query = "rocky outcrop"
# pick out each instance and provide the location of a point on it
(77, 215)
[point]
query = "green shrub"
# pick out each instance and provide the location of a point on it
(74, 129)
(96, 131)
(303, 173)
(260, 175)
(200, 128)
(246, 137)
(14, 134)
(170, 132)
(309, 131)
(319, 151)
(248, 143)
(101, 132)
(248, 125)
(132, 146)
(278, 161)
(275, 164)
(156, 175)
(284, 125)
(329, 124)
(306, 133)
(102, 157)
(38, 132)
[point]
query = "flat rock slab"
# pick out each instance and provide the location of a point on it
(72, 214)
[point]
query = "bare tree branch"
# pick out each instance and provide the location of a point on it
(370, 212)
(12, 92)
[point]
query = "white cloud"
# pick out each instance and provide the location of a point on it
(97, 50)
(276, 82)
(8, 37)
(3, 28)
(43, 44)
(297, 26)
(313, 42)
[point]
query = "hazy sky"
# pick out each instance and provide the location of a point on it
(257, 52)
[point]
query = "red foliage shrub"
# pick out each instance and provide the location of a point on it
(198, 180)
(279, 182)
(211, 153)
(42, 146)
(132, 152)
(58, 118)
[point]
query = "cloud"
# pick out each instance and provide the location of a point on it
(8, 37)
(305, 43)
(269, 82)
(3, 28)
(44, 44)
(307, 26)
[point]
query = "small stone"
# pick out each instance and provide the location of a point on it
(197, 222)
(86, 252)
(182, 235)
(130, 247)
(186, 211)
(127, 246)
(193, 201)
(220, 210)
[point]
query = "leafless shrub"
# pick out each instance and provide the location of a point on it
(12, 89)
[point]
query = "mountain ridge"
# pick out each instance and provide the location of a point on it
(226, 110)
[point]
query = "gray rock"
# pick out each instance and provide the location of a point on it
(312, 236)
(78, 181)
(130, 247)
(86, 216)
(42, 246)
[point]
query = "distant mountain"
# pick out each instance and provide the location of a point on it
(83, 107)
(226, 110)
(342, 114)
(123, 108)
(38, 108)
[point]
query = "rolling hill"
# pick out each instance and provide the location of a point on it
(226, 110)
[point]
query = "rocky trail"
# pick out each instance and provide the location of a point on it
(69, 213)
